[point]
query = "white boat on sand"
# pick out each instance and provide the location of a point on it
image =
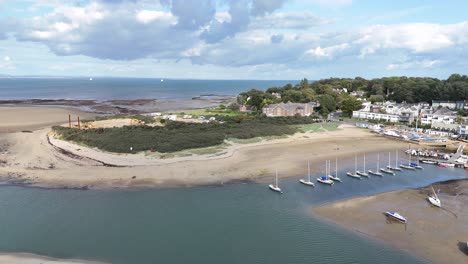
(307, 181)
(434, 199)
(275, 187)
(396, 216)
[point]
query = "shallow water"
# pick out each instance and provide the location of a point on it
(244, 223)
(124, 88)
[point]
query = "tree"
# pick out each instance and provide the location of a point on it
(376, 98)
(349, 105)
(327, 104)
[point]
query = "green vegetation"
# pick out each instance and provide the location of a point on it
(319, 127)
(177, 136)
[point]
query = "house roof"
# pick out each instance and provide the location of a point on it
(444, 111)
(292, 106)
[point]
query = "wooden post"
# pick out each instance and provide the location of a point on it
(79, 126)
(69, 121)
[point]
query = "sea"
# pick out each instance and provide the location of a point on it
(100, 88)
(236, 223)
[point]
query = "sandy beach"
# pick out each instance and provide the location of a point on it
(39, 159)
(19, 118)
(436, 234)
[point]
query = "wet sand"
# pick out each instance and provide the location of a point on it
(26, 258)
(436, 234)
(15, 119)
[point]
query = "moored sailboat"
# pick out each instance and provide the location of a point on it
(325, 179)
(407, 166)
(334, 177)
(275, 187)
(307, 181)
(376, 172)
(354, 174)
(363, 173)
(387, 169)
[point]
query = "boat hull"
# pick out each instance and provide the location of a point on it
(353, 175)
(375, 173)
(434, 201)
(306, 182)
(333, 178)
(406, 167)
(396, 216)
(387, 171)
(393, 168)
(275, 188)
(326, 181)
(363, 174)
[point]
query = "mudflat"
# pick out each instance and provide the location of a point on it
(436, 234)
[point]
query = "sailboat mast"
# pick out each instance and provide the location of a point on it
(336, 167)
(378, 161)
(308, 169)
(396, 159)
(276, 178)
(389, 157)
(364, 162)
(355, 163)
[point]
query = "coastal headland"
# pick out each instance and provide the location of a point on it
(436, 234)
(39, 159)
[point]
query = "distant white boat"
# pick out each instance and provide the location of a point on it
(307, 182)
(429, 162)
(396, 216)
(275, 187)
(376, 172)
(363, 173)
(354, 174)
(162, 80)
(334, 177)
(434, 199)
(90, 79)
(325, 179)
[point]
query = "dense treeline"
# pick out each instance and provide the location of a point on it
(176, 136)
(409, 89)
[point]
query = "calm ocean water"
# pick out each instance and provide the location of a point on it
(244, 223)
(123, 88)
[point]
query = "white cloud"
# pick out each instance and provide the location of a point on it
(414, 37)
(6, 58)
(149, 16)
(414, 65)
(327, 51)
(291, 20)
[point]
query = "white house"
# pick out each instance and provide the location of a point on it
(170, 117)
(441, 115)
(376, 116)
(463, 130)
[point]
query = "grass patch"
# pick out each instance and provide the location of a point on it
(178, 136)
(318, 127)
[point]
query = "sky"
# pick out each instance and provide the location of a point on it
(234, 39)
